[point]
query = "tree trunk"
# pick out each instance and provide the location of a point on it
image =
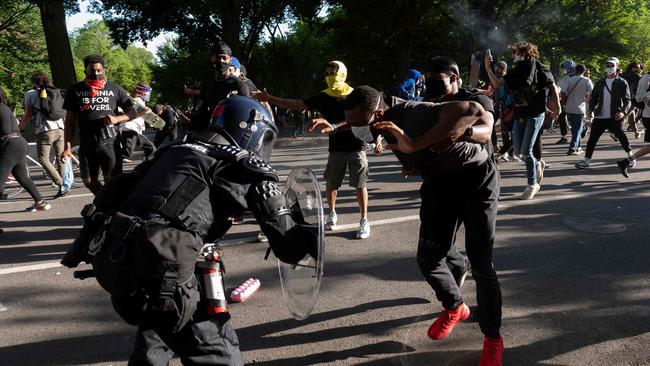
(58, 44)
(231, 25)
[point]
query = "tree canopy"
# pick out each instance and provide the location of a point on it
(377, 40)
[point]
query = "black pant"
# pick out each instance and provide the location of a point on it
(562, 120)
(13, 152)
(133, 140)
(469, 197)
(598, 127)
(105, 155)
(506, 136)
(161, 135)
(206, 342)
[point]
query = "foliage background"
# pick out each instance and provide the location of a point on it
(377, 40)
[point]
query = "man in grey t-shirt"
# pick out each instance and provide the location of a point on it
(575, 91)
(49, 134)
(445, 143)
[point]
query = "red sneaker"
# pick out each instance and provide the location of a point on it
(492, 354)
(446, 321)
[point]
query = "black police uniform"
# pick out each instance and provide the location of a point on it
(185, 199)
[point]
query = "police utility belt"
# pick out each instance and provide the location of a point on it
(120, 227)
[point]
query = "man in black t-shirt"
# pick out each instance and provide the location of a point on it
(92, 105)
(345, 150)
(217, 87)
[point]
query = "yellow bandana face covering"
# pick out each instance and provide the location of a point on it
(336, 85)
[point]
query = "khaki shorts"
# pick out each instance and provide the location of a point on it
(337, 164)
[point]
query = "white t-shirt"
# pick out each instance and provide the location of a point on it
(577, 88)
(606, 100)
(32, 99)
(136, 124)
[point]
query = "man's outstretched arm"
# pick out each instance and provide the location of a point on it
(454, 120)
(292, 104)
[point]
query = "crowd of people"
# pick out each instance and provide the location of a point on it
(191, 187)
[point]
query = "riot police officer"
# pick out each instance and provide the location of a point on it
(175, 203)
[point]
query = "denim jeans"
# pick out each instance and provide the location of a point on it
(525, 132)
(576, 129)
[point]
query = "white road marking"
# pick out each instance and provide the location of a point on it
(252, 239)
(377, 222)
(31, 267)
(9, 202)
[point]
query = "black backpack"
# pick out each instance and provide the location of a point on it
(525, 90)
(51, 106)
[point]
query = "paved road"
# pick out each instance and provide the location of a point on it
(573, 292)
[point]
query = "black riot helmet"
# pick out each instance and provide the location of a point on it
(246, 123)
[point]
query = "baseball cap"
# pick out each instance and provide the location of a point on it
(613, 60)
(222, 48)
(443, 64)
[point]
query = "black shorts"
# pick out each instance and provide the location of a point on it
(646, 125)
(105, 155)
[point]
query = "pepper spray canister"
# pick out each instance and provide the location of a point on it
(213, 284)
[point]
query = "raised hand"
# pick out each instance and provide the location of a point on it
(404, 143)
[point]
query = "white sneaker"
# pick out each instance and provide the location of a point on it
(539, 172)
(517, 158)
(530, 192)
(632, 164)
(503, 157)
(583, 164)
(364, 229)
(332, 219)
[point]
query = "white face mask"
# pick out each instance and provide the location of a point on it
(363, 133)
(610, 70)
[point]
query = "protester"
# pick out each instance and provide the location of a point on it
(345, 150)
(91, 105)
(217, 87)
(49, 133)
(299, 126)
(609, 102)
(238, 71)
(460, 185)
(529, 82)
(407, 89)
(13, 152)
(642, 96)
(567, 70)
(575, 92)
(133, 131)
(632, 75)
(503, 107)
(170, 130)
